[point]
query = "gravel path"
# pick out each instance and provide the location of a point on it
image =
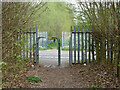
(49, 58)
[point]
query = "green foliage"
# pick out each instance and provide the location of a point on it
(21, 72)
(16, 76)
(65, 49)
(3, 63)
(34, 79)
(4, 79)
(95, 86)
(119, 65)
(16, 69)
(55, 20)
(98, 68)
(25, 68)
(83, 70)
(52, 45)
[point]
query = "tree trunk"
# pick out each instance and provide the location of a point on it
(97, 51)
(103, 52)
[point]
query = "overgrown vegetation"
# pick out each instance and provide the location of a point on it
(16, 17)
(54, 18)
(104, 18)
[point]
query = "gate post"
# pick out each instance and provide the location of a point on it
(70, 48)
(37, 47)
(70, 51)
(74, 45)
(30, 46)
(34, 46)
(58, 42)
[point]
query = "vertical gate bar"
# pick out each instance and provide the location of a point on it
(46, 40)
(92, 48)
(41, 38)
(71, 47)
(33, 45)
(78, 46)
(30, 45)
(27, 44)
(59, 59)
(36, 45)
(70, 51)
(74, 45)
(24, 46)
(89, 46)
(82, 45)
(20, 43)
(112, 53)
(86, 44)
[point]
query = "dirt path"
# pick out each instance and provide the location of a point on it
(70, 77)
(59, 77)
(77, 76)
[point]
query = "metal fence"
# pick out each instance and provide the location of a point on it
(84, 50)
(30, 41)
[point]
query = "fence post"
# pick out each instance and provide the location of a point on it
(27, 43)
(20, 43)
(89, 46)
(37, 45)
(74, 45)
(93, 48)
(82, 45)
(34, 45)
(70, 51)
(30, 45)
(78, 46)
(86, 44)
(24, 46)
(71, 47)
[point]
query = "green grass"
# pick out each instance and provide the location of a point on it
(83, 70)
(34, 79)
(95, 86)
(42, 48)
(67, 49)
(98, 69)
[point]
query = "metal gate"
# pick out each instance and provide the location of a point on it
(83, 50)
(30, 49)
